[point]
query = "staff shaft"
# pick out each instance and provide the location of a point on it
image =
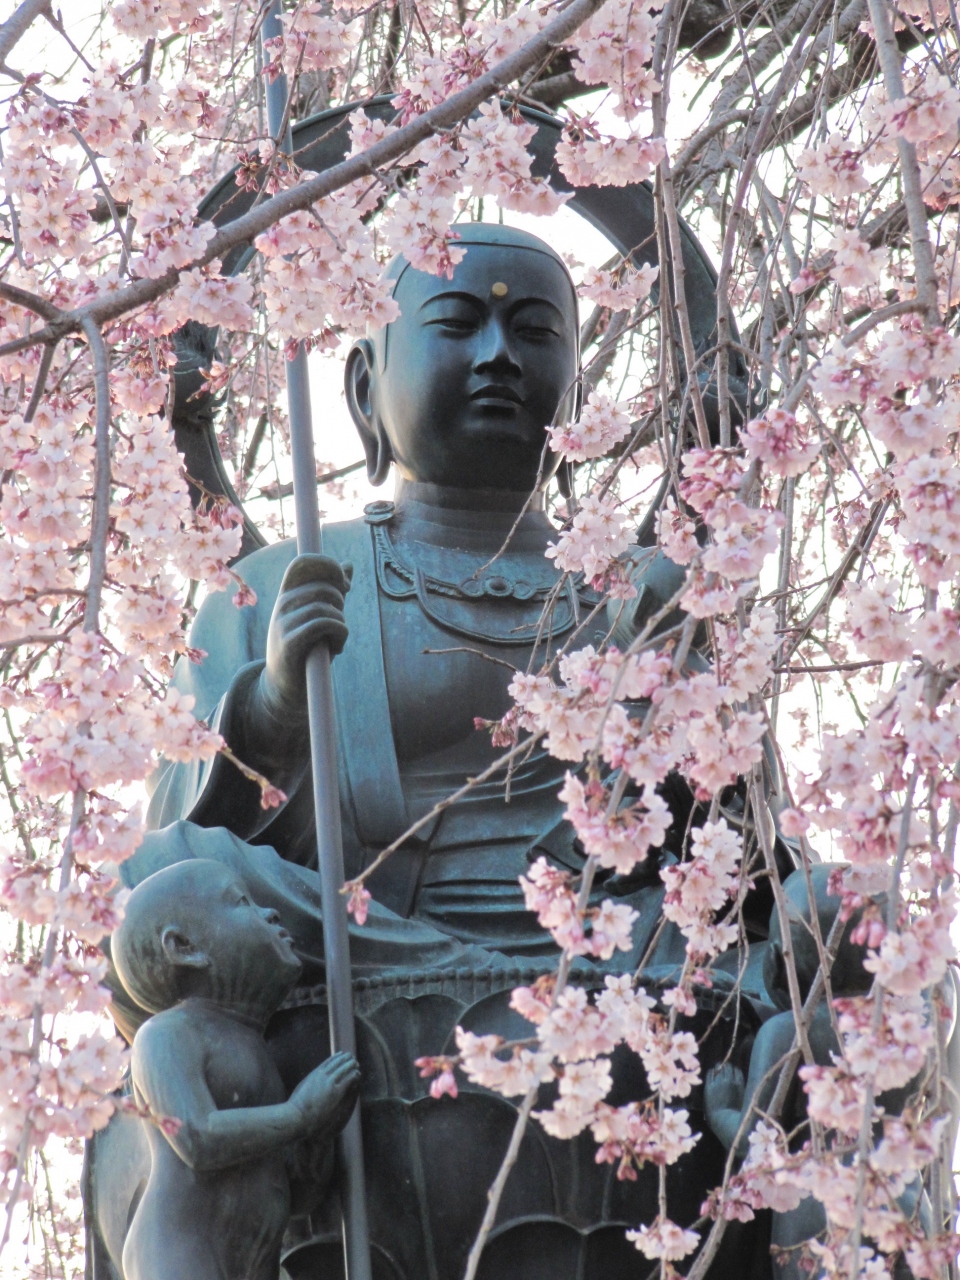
(323, 753)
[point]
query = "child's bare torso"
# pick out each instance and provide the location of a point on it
(230, 1221)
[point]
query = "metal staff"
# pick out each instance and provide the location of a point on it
(323, 752)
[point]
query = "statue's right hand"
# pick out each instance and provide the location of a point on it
(308, 612)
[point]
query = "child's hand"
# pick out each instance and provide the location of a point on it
(723, 1089)
(326, 1097)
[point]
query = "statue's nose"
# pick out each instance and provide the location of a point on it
(495, 352)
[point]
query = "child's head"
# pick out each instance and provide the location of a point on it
(192, 930)
(847, 976)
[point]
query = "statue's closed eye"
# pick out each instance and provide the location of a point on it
(457, 323)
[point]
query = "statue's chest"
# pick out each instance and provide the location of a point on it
(454, 631)
(241, 1073)
(439, 682)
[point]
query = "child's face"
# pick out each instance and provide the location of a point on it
(246, 944)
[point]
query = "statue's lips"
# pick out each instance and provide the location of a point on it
(497, 394)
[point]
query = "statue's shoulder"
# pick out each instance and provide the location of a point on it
(263, 570)
(162, 1032)
(232, 636)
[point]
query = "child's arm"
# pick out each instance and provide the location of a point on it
(168, 1074)
(726, 1097)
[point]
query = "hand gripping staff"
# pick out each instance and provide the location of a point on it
(323, 751)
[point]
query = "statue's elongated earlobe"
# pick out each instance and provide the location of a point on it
(378, 467)
(358, 388)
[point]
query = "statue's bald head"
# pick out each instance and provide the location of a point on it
(191, 929)
(847, 974)
(459, 390)
(470, 235)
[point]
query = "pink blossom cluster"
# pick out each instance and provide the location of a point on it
(664, 1239)
(63, 1094)
(743, 536)
(97, 723)
(588, 157)
(143, 19)
(930, 110)
(772, 1176)
(615, 48)
(833, 168)
(312, 40)
(575, 1036)
(620, 289)
(102, 184)
(740, 536)
(321, 271)
(487, 157)
(695, 722)
(779, 443)
(496, 163)
(549, 893)
(602, 424)
(481, 43)
(906, 389)
(596, 537)
(855, 264)
(702, 888)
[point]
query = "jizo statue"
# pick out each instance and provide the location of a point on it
(456, 396)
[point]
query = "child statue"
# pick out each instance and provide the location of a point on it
(728, 1098)
(212, 968)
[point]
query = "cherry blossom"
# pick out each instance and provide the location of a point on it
(621, 839)
(699, 889)
(583, 157)
(779, 443)
(596, 537)
(621, 288)
(833, 168)
(855, 264)
(664, 1239)
(602, 424)
(614, 47)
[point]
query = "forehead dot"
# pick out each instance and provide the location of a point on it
(499, 290)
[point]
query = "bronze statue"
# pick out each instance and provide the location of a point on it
(419, 595)
(212, 967)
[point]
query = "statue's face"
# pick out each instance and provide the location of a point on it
(466, 381)
(249, 954)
